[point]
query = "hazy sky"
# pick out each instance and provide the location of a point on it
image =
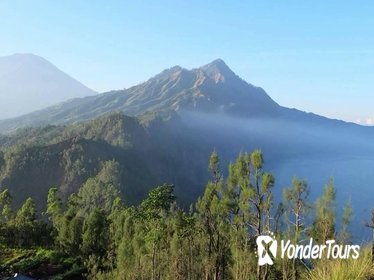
(313, 55)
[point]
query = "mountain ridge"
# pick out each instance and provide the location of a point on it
(211, 88)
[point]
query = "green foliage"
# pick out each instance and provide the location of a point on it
(6, 206)
(345, 234)
(5, 198)
(360, 269)
(257, 159)
(25, 223)
(101, 190)
(54, 205)
(38, 263)
(27, 213)
(159, 199)
(70, 226)
(297, 206)
(113, 128)
(34, 159)
(324, 224)
(95, 235)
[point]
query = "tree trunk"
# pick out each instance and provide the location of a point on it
(372, 249)
(153, 262)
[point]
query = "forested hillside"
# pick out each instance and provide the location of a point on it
(159, 147)
(148, 151)
(94, 235)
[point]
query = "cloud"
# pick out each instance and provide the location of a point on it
(367, 121)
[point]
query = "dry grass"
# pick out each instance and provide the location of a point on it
(360, 269)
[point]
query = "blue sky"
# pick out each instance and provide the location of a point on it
(313, 55)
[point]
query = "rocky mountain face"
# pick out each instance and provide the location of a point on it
(212, 88)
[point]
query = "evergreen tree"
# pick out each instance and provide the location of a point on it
(26, 224)
(101, 190)
(54, 207)
(155, 210)
(6, 230)
(324, 223)
(261, 201)
(371, 226)
(345, 234)
(95, 238)
(239, 197)
(183, 252)
(70, 228)
(6, 206)
(213, 214)
(296, 200)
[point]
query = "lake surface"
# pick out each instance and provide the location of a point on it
(353, 178)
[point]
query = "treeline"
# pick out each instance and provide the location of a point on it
(34, 159)
(147, 148)
(215, 239)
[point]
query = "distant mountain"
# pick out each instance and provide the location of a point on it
(29, 82)
(211, 88)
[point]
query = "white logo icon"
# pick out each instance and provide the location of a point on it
(267, 250)
(262, 249)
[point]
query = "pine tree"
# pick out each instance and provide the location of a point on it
(128, 251)
(296, 200)
(95, 242)
(6, 206)
(7, 215)
(183, 257)
(213, 219)
(345, 234)
(95, 234)
(261, 200)
(26, 223)
(239, 196)
(324, 223)
(100, 191)
(371, 226)
(155, 210)
(54, 207)
(69, 234)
